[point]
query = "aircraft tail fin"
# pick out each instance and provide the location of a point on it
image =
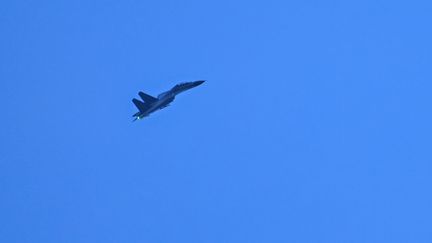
(147, 98)
(142, 107)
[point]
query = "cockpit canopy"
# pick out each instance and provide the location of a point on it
(181, 87)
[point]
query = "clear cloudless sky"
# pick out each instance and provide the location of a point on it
(314, 124)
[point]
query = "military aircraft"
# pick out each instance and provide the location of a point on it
(150, 104)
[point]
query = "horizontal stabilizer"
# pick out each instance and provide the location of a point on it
(142, 107)
(147, 98)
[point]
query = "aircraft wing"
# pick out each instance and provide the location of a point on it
(142, 107)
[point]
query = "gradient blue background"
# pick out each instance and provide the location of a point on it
(314, 124)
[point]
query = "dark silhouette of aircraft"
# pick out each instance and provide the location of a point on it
(150, 104)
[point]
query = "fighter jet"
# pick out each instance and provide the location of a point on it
(150, 104)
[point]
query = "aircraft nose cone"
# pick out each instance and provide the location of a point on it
(199, 82)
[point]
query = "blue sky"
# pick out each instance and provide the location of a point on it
(314, 124)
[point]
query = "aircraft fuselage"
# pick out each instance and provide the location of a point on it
(152, 104)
